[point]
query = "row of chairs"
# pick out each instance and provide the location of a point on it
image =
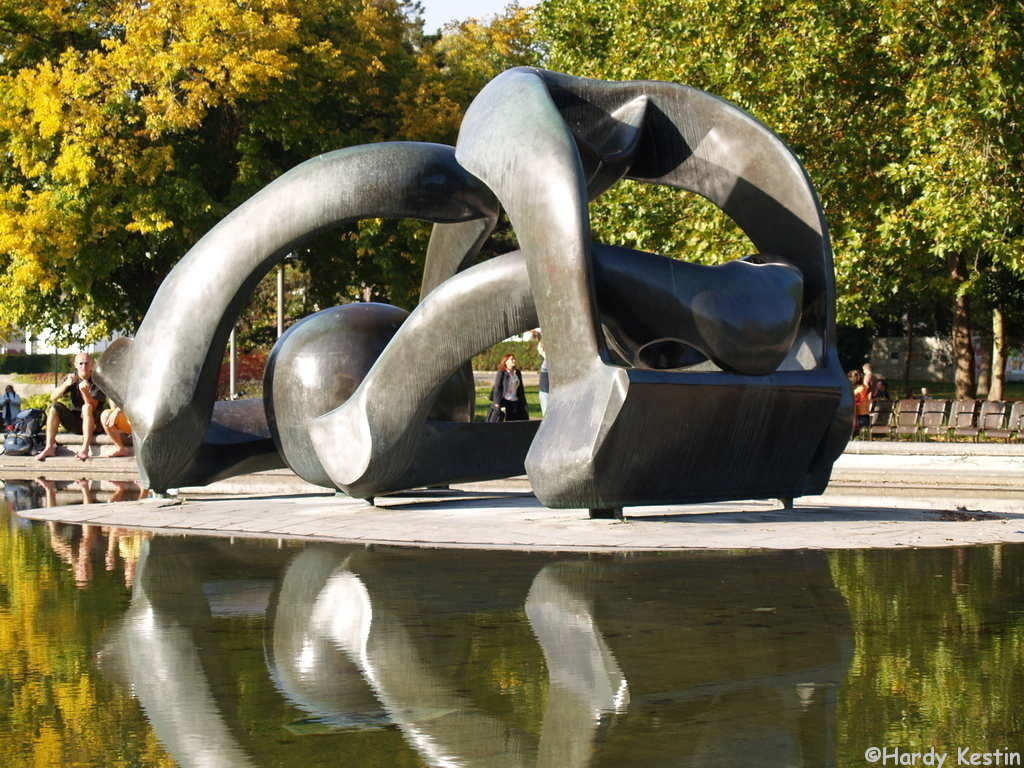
(925, 418)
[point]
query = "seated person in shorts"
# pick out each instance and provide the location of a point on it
(116, 425)
(82, 418)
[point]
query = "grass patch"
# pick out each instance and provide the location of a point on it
(945, 390)
(483, 402)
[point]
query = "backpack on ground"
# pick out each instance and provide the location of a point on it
(27, 435)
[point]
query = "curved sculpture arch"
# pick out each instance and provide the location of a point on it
(631, 421)
(166, 377)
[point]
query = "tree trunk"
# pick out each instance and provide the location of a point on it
(909, 327)
(995, 392)
(983, 368)
(963, 352)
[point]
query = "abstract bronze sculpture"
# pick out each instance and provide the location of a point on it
(670, 382)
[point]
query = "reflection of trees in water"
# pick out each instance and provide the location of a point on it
(55, 707)
(797, 658)
(939, 636)
(80, 546)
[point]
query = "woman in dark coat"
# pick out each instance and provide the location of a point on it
(508, 393)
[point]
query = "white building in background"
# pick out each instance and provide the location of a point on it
(25, 343)
(14, 345)
(932, 358)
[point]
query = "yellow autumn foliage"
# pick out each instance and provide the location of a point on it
(130, 128)
(56, 707)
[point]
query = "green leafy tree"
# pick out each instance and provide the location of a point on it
(454, 66)
(960, 171)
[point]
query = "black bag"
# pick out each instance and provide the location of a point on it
(495, 415)
(26, 436)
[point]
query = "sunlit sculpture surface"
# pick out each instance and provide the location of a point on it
(670, 382)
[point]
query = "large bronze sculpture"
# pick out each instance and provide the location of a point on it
(670, 382)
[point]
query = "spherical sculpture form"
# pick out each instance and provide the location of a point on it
(314, 367)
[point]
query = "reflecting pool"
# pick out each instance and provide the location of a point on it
(123, 649)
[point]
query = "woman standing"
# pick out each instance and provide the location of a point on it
(10, 404)
(508, 394)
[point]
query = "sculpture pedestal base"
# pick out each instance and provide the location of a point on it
(606, 513)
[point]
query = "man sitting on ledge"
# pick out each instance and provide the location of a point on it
(82, 417)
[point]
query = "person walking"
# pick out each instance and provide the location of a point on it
(861, 401)
(508, 394)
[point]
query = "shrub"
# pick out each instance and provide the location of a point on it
(47, 379)
(36, 363)
(525, 351)
(249, 367)
(41, 402)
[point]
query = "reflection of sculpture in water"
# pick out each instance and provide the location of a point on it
(152, 651)
(639, 661)
(585, 679)
(327, 604)
(670, 381)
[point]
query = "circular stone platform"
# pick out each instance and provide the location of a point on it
(506, 516)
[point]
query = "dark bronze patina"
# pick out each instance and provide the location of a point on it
(670, 382)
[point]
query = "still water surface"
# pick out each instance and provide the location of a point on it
(121, 649)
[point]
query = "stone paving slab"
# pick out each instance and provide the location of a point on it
(909, 465)
(486, 516)
(935, 448)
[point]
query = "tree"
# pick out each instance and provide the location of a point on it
(130, 129)
(1000, 294)
(960, 169)
(383, 260)
(456, 65)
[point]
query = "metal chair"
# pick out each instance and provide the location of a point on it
(963, 419)
(879, 420)
(991, 417)
(1012, 426)
(907, 418)
(933, 421)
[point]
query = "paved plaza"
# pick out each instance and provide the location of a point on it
(881, 495)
